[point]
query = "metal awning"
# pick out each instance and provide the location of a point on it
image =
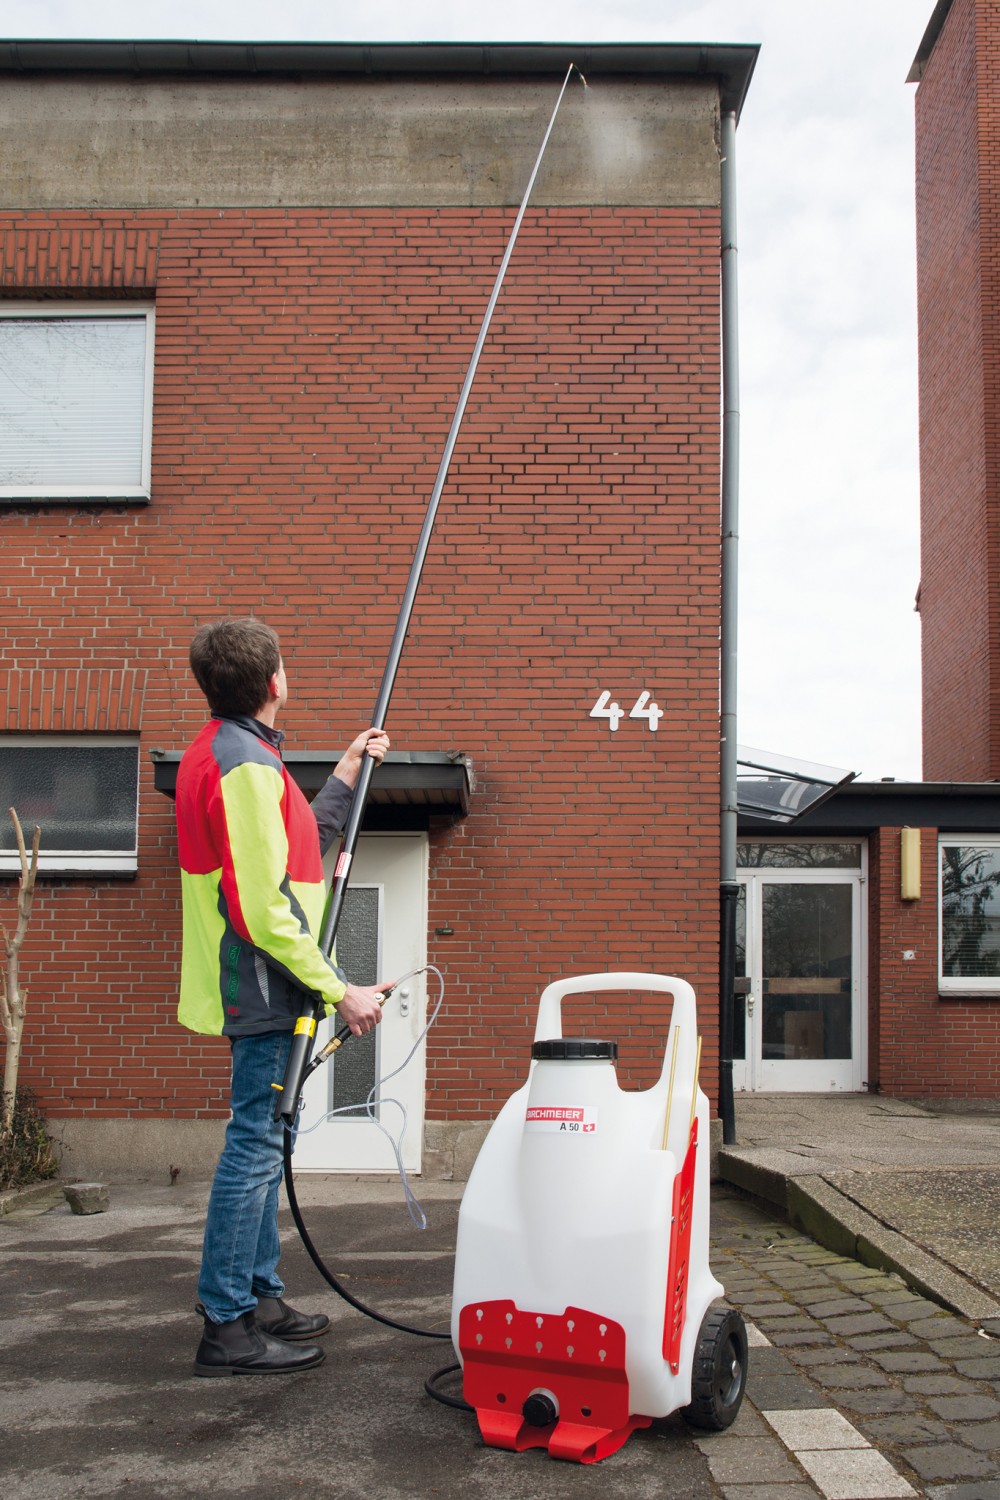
(408, 789)
(778, 789)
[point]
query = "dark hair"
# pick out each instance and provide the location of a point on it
(234, 661)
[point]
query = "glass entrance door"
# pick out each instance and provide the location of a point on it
(799, 1018)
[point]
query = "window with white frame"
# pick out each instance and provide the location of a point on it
(76, 400)
(969, 906)
(81, 791)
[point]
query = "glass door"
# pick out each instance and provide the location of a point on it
(800, 985)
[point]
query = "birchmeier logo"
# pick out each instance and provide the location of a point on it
(567, 1119)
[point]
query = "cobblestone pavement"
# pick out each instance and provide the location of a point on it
(858, 1387)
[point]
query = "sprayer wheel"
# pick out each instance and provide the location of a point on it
(718, 1371)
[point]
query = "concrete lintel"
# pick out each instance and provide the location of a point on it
(123, 142)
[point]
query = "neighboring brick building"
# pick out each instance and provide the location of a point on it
(958, 268)
(297, 244)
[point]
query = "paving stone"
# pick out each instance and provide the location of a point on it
(761, 1311)
(764, 1458)
(793, 1337)
(984, 1436)
(814, 1429)
(892, 1340)
(876, 1403)
(939, 1326)
(907, 1429)
(983, 1368)
(910, 1361)
(893, 1295)
(770, 1361)
(935, 1385)
(949, 1461)
(854, 1474)
(968, 1347)
(826, 1356)
(783, 1393)
(789, 1491)
(964, 1408)
(983, 1489)
(846, 1328)
(848, 1377)
(838, 1307)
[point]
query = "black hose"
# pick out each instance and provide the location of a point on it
(323, 1268)
(430, 1386)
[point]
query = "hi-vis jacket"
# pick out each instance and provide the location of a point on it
(251, 882)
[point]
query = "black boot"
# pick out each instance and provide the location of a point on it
(283, 1322)
(241, 1348)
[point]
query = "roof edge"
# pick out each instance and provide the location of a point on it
(732, 64)
(927, 42)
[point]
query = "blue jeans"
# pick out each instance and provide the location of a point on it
(241, 1249)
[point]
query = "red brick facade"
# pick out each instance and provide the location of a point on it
(307, 365)
(921, 1045)
(958, 237)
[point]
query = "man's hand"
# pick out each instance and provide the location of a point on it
(361, 1007)
(373, 742)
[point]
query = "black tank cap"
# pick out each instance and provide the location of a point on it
(574, 1048)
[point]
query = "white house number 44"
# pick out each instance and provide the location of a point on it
(642, 708)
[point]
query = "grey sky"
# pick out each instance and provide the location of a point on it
(829, 641)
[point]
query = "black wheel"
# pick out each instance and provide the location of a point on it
(719, 1370)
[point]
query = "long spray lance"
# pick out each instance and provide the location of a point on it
(305, 1026)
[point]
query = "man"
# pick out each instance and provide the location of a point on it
(250, 849)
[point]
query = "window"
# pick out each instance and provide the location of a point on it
(76, 400)
(82, 793)
(817, 855)
(969, 905)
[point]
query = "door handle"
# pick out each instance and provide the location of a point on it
(751, 1001)
(404, 1001)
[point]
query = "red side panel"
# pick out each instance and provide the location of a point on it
(680, 1255)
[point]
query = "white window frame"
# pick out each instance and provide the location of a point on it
(70, 310)
(73, 861)
(961, 984)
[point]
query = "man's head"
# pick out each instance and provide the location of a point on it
(236, 662)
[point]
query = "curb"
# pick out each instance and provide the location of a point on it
(30, 1197)
(835, 1221)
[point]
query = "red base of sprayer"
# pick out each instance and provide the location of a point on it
(577, 1360)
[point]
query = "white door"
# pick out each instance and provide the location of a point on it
(800, 1019)
(382, 934)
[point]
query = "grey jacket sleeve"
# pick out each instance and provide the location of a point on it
(330, 806)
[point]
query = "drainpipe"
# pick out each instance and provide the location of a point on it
(728, 888)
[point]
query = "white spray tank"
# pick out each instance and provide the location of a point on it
(582, 1278)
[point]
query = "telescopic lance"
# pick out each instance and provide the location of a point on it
(305, 1026)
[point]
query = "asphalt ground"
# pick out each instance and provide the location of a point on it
(858, 1385)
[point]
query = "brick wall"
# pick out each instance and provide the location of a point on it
(958, 197)
(307, 366)
(923, 1046)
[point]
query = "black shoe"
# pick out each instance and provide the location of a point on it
(282, 1322)
(241, 1348)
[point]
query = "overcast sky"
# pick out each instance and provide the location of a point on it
(829, 641)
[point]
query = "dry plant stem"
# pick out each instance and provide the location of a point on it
(13, 1000)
